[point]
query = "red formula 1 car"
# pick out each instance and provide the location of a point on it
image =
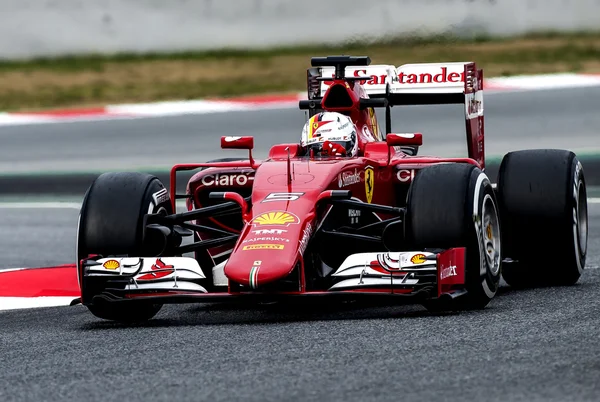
(384, 223)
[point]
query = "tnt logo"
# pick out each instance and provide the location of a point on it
(269, 231)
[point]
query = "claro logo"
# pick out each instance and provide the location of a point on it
(234, 179)
(405, 175)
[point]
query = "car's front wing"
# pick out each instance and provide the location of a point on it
(178, 279)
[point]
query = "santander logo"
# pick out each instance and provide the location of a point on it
(431, 78)
(348, 178)
(427, 75)
(369, 79)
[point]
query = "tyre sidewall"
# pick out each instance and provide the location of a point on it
(577, 194)
(482, 277)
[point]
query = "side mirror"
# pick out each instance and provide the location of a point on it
(237, 142)
(412, 139)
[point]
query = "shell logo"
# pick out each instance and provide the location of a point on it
(111, 264)
(277, 218)
(418, 259)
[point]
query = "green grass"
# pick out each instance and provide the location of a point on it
(98, 79)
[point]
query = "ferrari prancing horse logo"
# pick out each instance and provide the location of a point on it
(369, 183)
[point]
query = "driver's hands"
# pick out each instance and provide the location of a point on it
(333, 149)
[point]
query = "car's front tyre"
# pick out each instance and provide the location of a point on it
(454, 205)
(111, 224)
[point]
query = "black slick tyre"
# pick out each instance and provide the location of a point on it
(543, 202)
(454, 205)
(111, 224)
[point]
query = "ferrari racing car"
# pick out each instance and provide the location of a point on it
(351, 211)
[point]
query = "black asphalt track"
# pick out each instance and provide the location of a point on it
(532, 345)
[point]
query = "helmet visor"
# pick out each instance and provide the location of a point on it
(317, 149)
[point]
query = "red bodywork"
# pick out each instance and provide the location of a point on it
(286, 188)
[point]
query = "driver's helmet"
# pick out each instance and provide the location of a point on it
(330, 134)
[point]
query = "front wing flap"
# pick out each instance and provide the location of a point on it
(403, 272)
(148, 273)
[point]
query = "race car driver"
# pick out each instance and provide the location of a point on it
(329, 134)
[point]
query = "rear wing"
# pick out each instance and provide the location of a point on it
(446, 82)
(411, 84)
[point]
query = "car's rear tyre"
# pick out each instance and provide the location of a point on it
(111, 224)
(454, 205)
(543, 202)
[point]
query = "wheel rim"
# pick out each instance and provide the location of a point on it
(491, 234)
(582, 218)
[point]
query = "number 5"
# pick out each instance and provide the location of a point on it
(282, 197)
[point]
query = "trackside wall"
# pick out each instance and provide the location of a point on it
(30, 28)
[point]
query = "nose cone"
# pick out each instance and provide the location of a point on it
(259, 267)
(268, 250)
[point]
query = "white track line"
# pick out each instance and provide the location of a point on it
(3, 270)
(14, 303)
(40, 205)
(495, 85)
(56, 205)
